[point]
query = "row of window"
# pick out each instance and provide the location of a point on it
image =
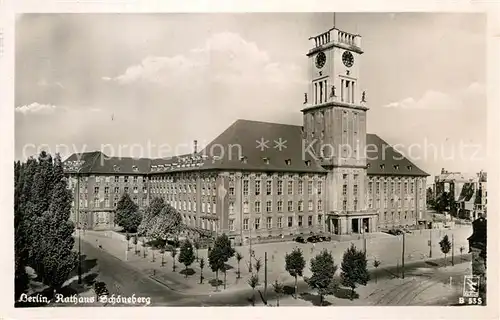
(269, 206)
(118, 190)
(279, 186)
(394, 203)
(393, 186)
(279, 222)
(118, 179)
(396, 216)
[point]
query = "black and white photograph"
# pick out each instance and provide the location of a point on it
(239, 159)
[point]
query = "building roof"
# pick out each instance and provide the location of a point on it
(456, 177)
(252, 145)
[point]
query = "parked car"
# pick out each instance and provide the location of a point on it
(300, 239)
(395, 232)
(325, 238)
(313, 239)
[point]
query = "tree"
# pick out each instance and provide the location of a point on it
(196, 244)
(295, 264)
(127, 237)
(430, 198)
(219, 255)
(445, 245)
(462, 249)
(279, 288)
(135, 240)
(253, 282)
(202, 265)
(127, 214)
(173, 253)
(258, 265)
(323, 270)
(161, 221)
(186, 255)
(238, 257)
(376, 264)
(354, 269)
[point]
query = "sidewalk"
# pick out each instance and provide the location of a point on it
(386, 249)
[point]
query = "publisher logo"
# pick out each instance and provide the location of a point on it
(471, 286)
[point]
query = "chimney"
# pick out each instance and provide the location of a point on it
(195, 146)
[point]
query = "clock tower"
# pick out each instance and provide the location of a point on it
(334, 121)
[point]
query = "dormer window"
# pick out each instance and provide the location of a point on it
(396, 166)
(382, 166)
(308, 163)
(288, 162)
(409, 167)
(243, 159)
(116, 168)
(266, 160)
(368, 165)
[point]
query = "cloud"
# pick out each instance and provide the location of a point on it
(36, 108)
(44, 83)
(224, 58)
(439, 100)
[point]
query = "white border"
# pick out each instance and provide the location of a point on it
(7, 19)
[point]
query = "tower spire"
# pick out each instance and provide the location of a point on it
(334, 19)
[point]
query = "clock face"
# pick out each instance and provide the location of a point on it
(348, 59)
(320, 60)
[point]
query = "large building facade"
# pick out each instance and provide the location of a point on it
(267, 180)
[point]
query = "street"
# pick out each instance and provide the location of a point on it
(122, 279)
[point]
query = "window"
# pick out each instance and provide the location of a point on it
(280, 205)
(309, 187)
(269, 222)
(280, 187)
(257, 206)
(344, 190)
(290, 222)
(97, 179)
(269, 187)
(245, 187)
(117, 179)
(96, 203)
(344, 205)
(208, 207)
(290, 206)
(320, 205)
(300, 221)
(355, 190)
(320, 187)
(377, 190)
(370, 188)
(144, 202)
(310, 205)
(135, 179)
(280, 222)
(269, 206)
(125, 189)
(117, 189)
(245, 207)
(257, 187)
(135, 189)
(385, 187)
(96, 189)
(309, 221)
(257, 223)
(301, 206)
(135, 200)
(231, 191)
(405, 190)
(144, 190)
(231, 207)
(301, 187)
(202, 206)
(355, 205)
(106, 202)
(344, 176)
(320, 219)
(290, 187)
(106, 190)
(245, 224)
(231, 225)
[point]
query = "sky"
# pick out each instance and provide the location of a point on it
(122, 80)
